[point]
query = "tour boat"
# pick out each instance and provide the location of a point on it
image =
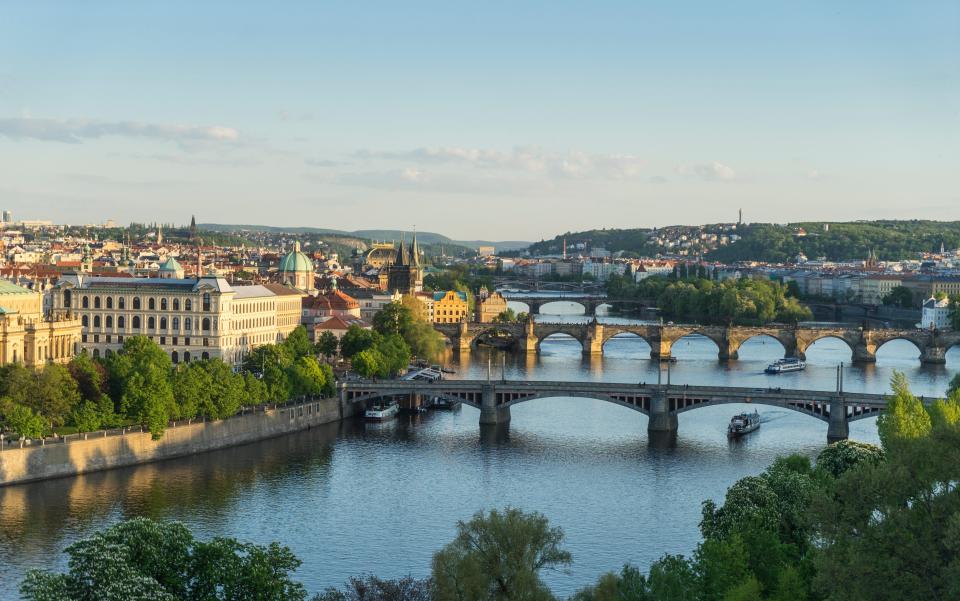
(743, 423)
(785, 365)
(382, 411)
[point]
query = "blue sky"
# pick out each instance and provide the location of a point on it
(488, 120)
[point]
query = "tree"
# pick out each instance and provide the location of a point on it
(56, 394)
(22, 420)
(899, 296)
(271, 362)
(393, 318)
(227, 389)
(672, 578)
(298, 343)
(90, 375)
(327, 344)
(141, 376)
(256, 390)
(191, 388)
(371, 588)
(147, 560)
(499, 556)
(306, 377)
(954, 311)
(954, 385)
(842, 456)
(508, 316)
(357, 339)
(904, 418)
(368, 363)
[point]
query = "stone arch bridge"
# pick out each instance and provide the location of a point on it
(662, 404)
(528, 336)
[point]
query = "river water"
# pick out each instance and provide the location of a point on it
(351, 498)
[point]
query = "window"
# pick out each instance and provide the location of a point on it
(163, 304)
(151, 304)
(96, 302)
(85, 303)
(205, 324)
(121, 303)
(67, 297)
(176, 324)
(186, 356)
(121, 322)
(109, 322)
(109, 302)
(85, 321)
(136, 322)
(187, 324)
(120, 339)
(206, 301)
(205, 355)
(163, 323)
(163, 340)
(151, 322)
(175, 356)
(108, 340)
(136, 303)
(176, 304)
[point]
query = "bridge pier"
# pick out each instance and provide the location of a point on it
(838, 428)
(728, 350)
(661, 419)
(863, 353)
(660, 348)
(593, 344)
(490, 414)
(933, 355)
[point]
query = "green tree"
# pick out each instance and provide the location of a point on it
(904, 418)
(90, 376)
(327, 344)
(368, 363)
(141, 373)
(508, 316)
(306, 377)
(393, 318)
(271, 362)
(256, 390)
(721, 565)
(673, 578)
(954, 311)
(499, 557)
(191, 388)
(899, 296)
(357, 339)
(147, 560)
(227, 389)
(56, 394)
(298, 343)
(371, 588)
(954, 385)
(842, 456)
(22, 420)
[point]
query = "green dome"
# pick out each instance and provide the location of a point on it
(170, 264)
(296, 262)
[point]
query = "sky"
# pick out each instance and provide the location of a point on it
(482, 120)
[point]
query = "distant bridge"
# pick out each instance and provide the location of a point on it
(589, 301)
(528, 336)
(661, 403)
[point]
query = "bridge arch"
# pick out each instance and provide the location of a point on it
(624, 335)
(776, 347)
(498, 331)
(693, 336)
(518, 306)
(545, 308)
(819, 410)
(896, 340)
(805, 344)
(561, 335)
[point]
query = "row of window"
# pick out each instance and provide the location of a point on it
(107, 302)
(175, 356)
(135, 322)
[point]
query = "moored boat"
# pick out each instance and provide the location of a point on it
(382, 411)
(743, 423)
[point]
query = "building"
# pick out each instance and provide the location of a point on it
(190, 318)
(490, 306)
(338, 326)
(486, 251)
(935, 314)
(319, 309)
(169, 269)
(874, 288)
(450, 307)
(30, 337)
(296, 270)
(405, 274)
(372, 301)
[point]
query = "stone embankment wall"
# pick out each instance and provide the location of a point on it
(18, 465)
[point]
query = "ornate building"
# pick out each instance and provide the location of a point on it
(296, 270)
(450, 307)
(192, 318)
(405, 274)
(490, 306)
(29, 337)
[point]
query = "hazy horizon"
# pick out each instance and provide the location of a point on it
(496, 122)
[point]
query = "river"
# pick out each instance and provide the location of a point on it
(351, 498)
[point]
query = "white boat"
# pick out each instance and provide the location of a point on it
(743, 423)
(789, 364)
(382, 411)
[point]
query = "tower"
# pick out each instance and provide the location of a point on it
(405, 274)
(740, 217)
(193, 227)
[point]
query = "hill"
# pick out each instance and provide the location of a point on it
(430, 238)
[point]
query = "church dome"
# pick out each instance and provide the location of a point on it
(170, 264)
(296, 262)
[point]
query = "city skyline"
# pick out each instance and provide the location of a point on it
(492, 124)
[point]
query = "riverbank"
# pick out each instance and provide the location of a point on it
(99, 451)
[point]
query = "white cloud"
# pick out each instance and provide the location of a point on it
(75, 131)
(714, 171)
(575, 165)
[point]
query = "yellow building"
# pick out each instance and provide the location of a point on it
(490, 307)
(27, 336)
(450, 307)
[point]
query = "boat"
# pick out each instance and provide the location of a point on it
(789, 364)
(743, 423)
(382, 411)
(439, 402)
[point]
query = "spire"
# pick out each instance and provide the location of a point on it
(402, 258)
(415, 250)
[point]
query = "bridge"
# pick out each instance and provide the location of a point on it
(660, 403)
(589, 302)
(530, 283)
(529, 335)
